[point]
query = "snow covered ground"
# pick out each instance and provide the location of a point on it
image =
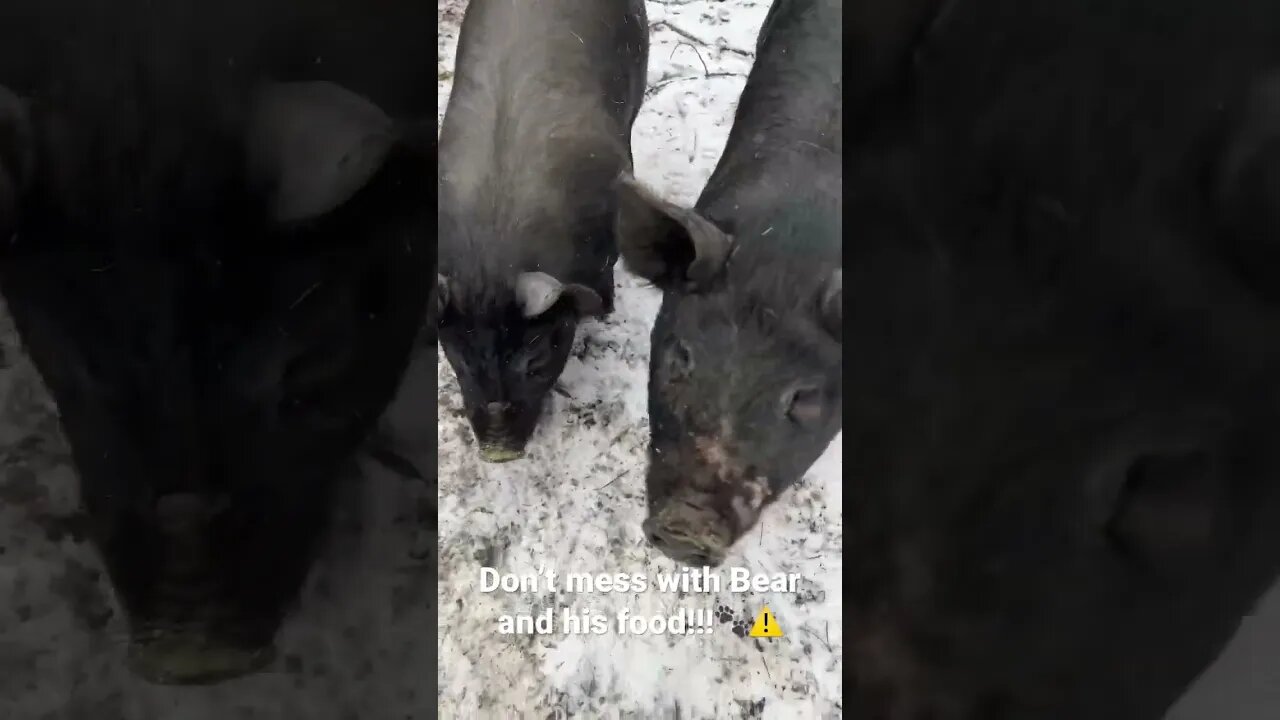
(576, 503)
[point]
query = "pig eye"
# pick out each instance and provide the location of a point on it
(802, 405)
(314, 369)
(679, 359)
(535, 356)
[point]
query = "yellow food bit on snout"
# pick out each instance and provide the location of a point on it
(499, 454)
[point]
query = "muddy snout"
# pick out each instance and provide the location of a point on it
(498, 433)
(187, 632)
(690, 532)
(190, 656)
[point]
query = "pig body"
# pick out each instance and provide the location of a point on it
(538, 126)
(744, 375)
(216, 227)
(1063, 485)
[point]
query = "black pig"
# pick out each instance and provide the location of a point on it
(215, 222)
(1062, 475)
(744, 375)
(538, 125)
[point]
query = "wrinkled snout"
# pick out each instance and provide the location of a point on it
(173, 641)
(691, 532)
(500, 433)
(190, 656)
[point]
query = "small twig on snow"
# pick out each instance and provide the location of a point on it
(694, 38)
(825, 643)
(653, 89)
(615, 479)
(706, 71)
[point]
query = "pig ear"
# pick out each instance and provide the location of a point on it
(1248, 183)
(537, 292)
(315, 144)
(831, 304)
(15, 154)
(440, 297)
(1164, 507)
(672, 247)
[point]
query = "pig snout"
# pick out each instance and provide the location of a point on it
(185, 637)
(701, 502)
(689, 530)
(191, 656)
(497, 433)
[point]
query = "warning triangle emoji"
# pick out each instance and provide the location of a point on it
(766, 625)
